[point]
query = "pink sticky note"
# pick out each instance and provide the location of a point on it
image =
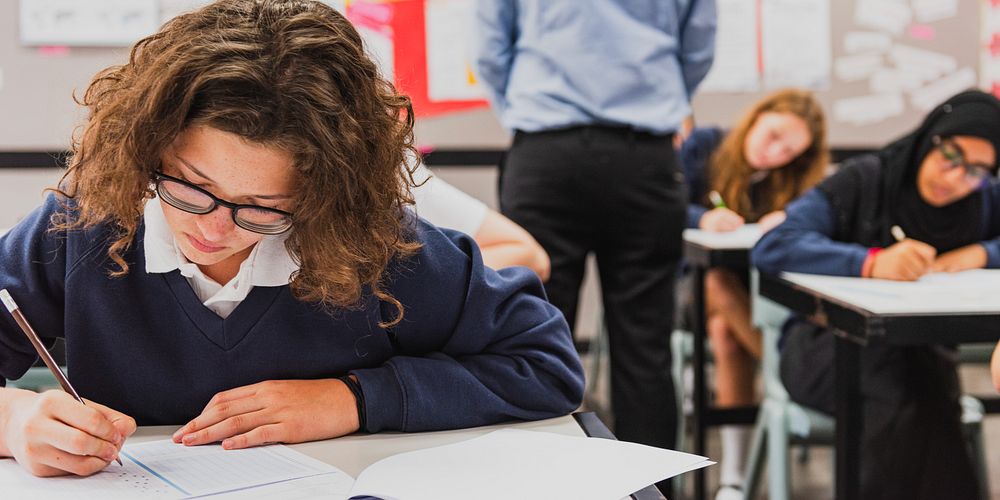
(53, 51)
(922, 31)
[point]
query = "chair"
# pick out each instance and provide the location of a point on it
(38, 379)
(782, 422)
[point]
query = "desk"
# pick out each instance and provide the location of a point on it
(859, 309)
(704, 250)
(354, 453)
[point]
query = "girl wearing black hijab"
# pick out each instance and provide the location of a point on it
(935, 184)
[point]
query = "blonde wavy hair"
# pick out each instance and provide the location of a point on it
(730, 171)
(289, 74)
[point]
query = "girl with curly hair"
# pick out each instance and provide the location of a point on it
(231, 249)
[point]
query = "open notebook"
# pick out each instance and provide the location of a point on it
(503, 464)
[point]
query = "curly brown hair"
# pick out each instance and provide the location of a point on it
(289, 74)
(730, 171)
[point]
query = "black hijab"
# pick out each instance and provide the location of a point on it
(874, 192)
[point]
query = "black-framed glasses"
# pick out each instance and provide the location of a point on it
(185, 196)
(975, 173)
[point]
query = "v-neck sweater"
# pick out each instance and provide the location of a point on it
(475, 347)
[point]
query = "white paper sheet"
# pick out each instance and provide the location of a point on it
(927, 11)
(904, 55)
(734, 68)
(866, 42)
(968, 291)
(743, 237)
(894, 80)
(449, 66)
(525, 465)
(164, 470)
(868, 109)
(891, 16)
(103, 23)
(857, 67)
(926, 98)
(796, 43)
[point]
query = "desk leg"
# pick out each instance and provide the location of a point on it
(699, 397)
(847, 363)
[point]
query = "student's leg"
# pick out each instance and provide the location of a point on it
(912, 445)
(539, 191)
(734, 376)
(727, 296)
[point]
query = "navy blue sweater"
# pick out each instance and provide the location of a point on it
(693, 156)
(804, 244)
(476, 346)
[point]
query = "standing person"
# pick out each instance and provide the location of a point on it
(775, 153)
(594, 92)
(930, 183)
(230, 250)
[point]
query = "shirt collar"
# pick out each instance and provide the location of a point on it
(269, 263)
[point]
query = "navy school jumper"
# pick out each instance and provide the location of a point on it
(475, 347)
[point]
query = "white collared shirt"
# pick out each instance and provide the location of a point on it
(269, 264)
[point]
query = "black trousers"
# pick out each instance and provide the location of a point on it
(619, 194)
(912, 444)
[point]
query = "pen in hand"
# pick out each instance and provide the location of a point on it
(897, 233)
(15, 311)
(716, 199)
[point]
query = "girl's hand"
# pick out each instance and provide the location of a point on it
(720, 220)
(52, 434)
(968, 257)
(771, 220)
(274, 411)
(907, 260)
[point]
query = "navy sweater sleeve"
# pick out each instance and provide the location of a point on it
(32, 265)
(991, 224)
(693, 156)
(803, 242)
(498, 349)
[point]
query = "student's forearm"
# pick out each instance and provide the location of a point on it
(995, 367)
(517, 254)
(8, 398)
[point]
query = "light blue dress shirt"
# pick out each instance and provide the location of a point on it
(552, 64)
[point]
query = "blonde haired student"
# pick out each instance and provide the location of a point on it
(231, 251)
(748, 174)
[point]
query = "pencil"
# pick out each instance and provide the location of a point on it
(15, 311)
(716, 199)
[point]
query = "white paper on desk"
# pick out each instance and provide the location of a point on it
(927, 11)
(967, 291)
(734, 68)
(926, 98)
(165, 470)
(868, 109)
(866, 42)
(743, 237)
(525, 465)
(796, 43)
(892, 16)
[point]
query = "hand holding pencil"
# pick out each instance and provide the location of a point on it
(52, 433)
(719, 219)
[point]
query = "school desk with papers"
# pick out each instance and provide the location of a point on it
(516, 461)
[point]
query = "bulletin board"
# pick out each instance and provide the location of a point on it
(885, 63)
(876, 65)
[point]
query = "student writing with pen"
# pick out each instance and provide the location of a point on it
(232, 251)
(924, 203)
(776, 151)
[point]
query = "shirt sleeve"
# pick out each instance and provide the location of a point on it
(32, 270)
(445, 205)
(697, 43)
(494, 32)
(475, 347)
(803, 242)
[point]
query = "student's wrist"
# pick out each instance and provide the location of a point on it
(359, 399)
(868, 266)
(10, 398)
